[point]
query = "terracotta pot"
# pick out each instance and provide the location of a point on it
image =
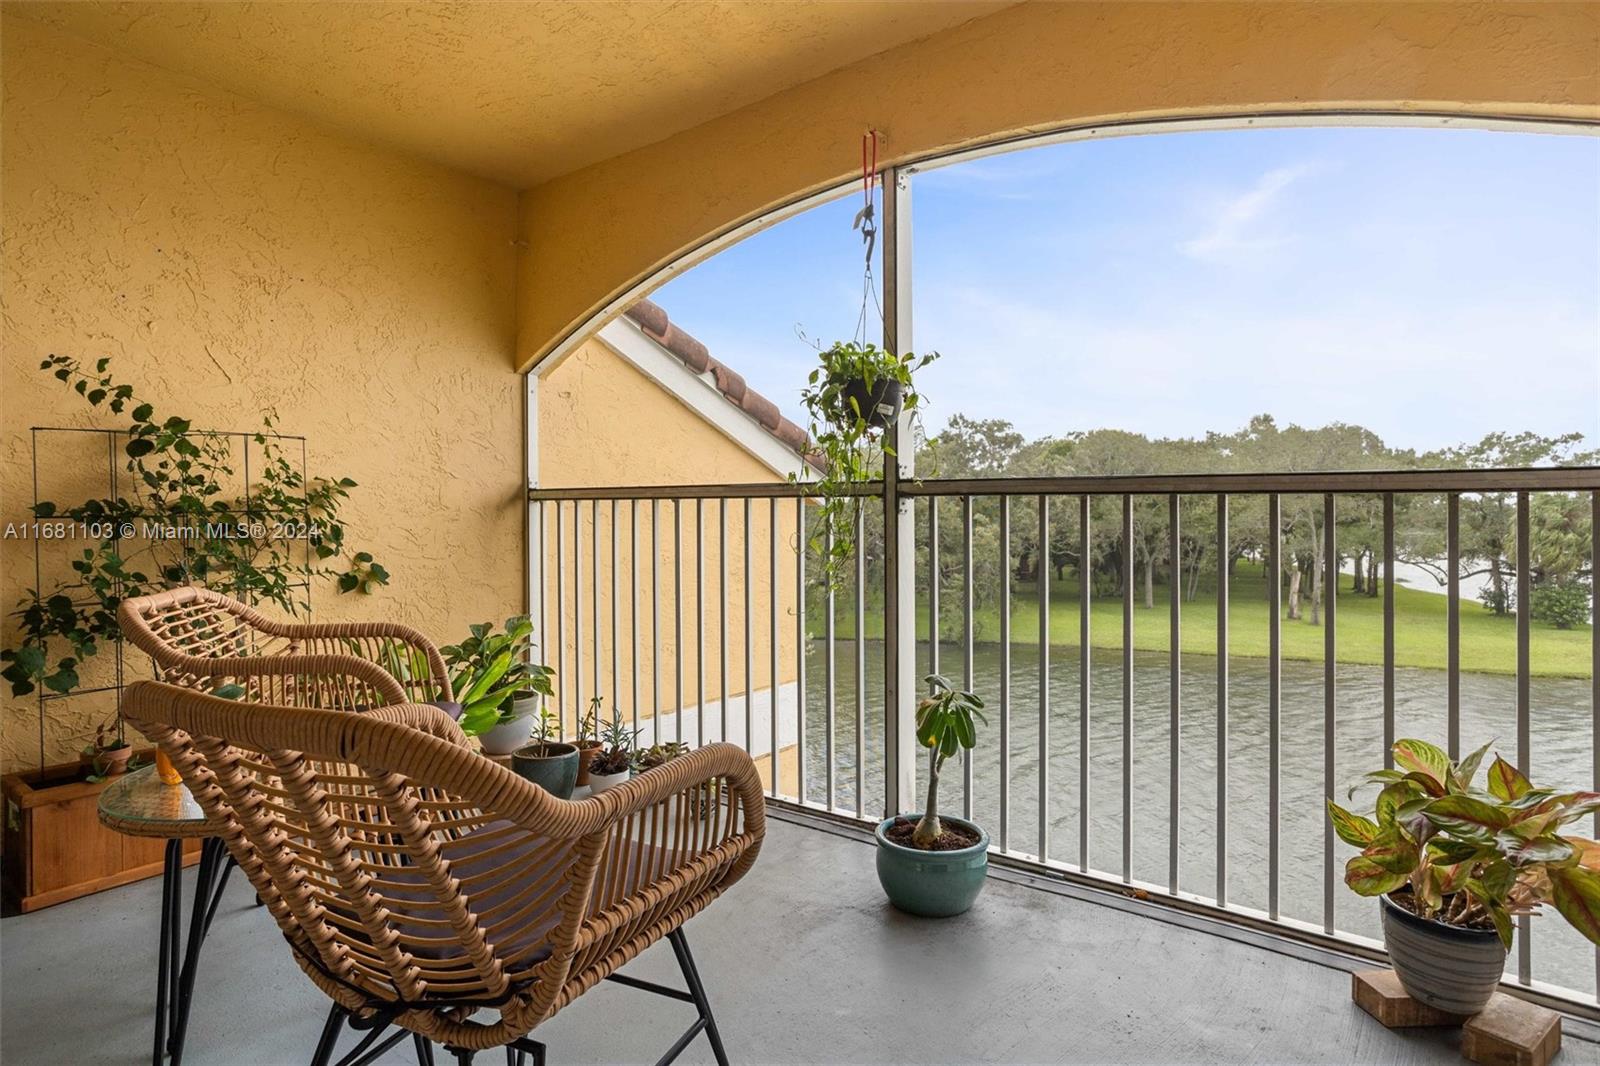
(1449, 968)
(108, 763)
(587, 750)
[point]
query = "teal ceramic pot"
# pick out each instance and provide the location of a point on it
(553, 767)
(933, 884)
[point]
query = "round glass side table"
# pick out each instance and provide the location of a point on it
(139, 804)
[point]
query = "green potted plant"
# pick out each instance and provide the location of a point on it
(1453, 864)
(612, 764)
(659, 755)
(931, 865)
(500, 690)
(547, 762)
(856, 391)
(588, 741)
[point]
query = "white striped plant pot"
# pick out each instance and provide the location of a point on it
(1447, 967)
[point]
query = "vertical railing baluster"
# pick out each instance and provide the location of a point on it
(1274, 690)
(1452, 552)
(722, 589)
(544, 618)
(1042, 558)
(1594, 676)
(829, 667)
(861, 659)
(772, 598)
(1174, 688)
(933, 584)
(1524, 698)
(656, 736)
(1005, 673)
(561, 624)
(594, 593)
(1085, 588)
(1388, 631)
(1224, 570)
(1127, 688)
(633, 605)
(700, 621)
(800, 646)
(1330, 682)
(677, 619)
(749, 629)
(577, 614)
(616, 628)
(968, 666)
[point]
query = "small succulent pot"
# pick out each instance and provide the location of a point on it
(587, 750)
(932, 884)
(1448, 967)
(599, 783)
(879, 405)
(107, 762)
(553, 767)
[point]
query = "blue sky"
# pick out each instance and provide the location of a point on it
(1432, 285)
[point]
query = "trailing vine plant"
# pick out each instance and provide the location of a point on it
(180, 523)
(849, 400)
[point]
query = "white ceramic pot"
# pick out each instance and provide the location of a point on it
(508, 736)
(598, 783)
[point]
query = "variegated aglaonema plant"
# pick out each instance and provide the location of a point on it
(1473, 856)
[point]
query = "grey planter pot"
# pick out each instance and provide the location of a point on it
(1447, 967)
(553, 767)
(932, 884)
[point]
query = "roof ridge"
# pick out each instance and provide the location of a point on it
(653, 319)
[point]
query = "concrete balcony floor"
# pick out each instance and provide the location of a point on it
(804, 962)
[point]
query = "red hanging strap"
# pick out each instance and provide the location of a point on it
(869, 164)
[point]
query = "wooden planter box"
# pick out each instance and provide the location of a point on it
(55, 848)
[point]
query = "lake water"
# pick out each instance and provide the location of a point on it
(1561, 756)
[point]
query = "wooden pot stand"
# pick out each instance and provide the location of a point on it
(1508, 1032)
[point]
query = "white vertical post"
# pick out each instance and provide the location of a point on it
(533, 514)
(899, 527)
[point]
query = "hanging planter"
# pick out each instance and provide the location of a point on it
(850, 399)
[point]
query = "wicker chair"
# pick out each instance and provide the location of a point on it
(418, 882)
(203, 639)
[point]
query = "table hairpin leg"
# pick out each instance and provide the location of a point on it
(175, 976)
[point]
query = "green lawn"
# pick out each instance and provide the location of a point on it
(1488, 643)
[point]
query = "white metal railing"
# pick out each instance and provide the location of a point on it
(714, 628)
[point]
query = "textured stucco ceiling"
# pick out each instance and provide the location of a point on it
(518, 91)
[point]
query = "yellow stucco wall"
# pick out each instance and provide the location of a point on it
(603, 422)
(1032, 67)
(230, 258)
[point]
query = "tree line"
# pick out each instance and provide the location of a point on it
(1560, 548)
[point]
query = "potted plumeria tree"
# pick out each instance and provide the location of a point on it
(857, 391)
(1453, 864)
(929, 864)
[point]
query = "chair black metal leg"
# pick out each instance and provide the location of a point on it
(691, 974)
(211, 856)
(222, 883)
(463, 1056)
(166, 968)
(424, 1049)
(330, 1035)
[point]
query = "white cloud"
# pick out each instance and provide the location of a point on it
(1235, 230)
